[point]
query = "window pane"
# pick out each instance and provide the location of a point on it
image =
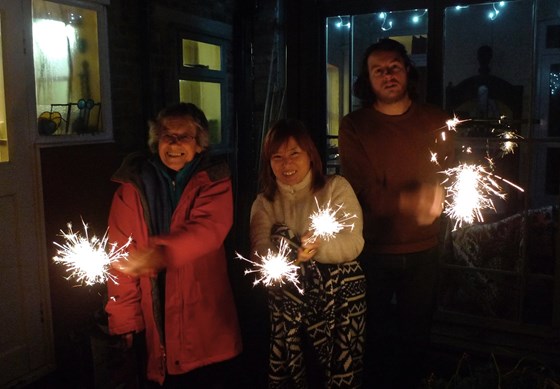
(487, 75)
(348, 37)
(554, 101)
(4, 151)
(208, 97)
(201, 55)
(66, 58)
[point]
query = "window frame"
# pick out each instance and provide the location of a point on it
(100, 7)
(216, 33)
(199, 74)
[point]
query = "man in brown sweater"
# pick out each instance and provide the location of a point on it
(385, 150)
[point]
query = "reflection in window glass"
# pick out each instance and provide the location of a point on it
(4, 154)
(554, 101)
(207, 96)
(201, 55)
(489, 71)
(490, 79)
(348, 37)
(66, 59)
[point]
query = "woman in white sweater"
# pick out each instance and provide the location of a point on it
(321, 329)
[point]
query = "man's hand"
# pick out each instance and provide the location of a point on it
(425, 203)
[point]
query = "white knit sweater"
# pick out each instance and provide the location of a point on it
(293, 205)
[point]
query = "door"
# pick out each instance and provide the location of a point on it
(25, 334)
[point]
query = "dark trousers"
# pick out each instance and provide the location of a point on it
(401, 295)
(215, 376)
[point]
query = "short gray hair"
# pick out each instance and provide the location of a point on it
(181, 110)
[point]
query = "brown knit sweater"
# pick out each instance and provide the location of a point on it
(384, 157)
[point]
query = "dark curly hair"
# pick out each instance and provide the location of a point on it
(362, 86)
(187, 110)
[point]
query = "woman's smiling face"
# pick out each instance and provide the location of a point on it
(290, 163)
(177, 144)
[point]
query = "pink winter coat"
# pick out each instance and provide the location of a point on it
(201, 325)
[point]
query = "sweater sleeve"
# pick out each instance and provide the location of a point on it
(348, 243)
(261, 223)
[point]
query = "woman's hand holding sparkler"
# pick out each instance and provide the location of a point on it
(141, 262)
(309, 246)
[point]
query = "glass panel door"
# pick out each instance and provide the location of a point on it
(347, 38)
(504, 266)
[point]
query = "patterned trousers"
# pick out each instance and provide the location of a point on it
(326, 323)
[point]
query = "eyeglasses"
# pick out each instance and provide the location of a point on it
(382, 71)
(174, 138)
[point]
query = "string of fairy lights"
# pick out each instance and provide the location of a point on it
(387, 22)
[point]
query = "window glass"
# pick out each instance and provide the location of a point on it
(67, 77)
(503, 89)
(201, 55)
(4, 150)
(554, 100)
(348, 36)
(207, 96)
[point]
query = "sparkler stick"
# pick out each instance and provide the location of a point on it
(275, 268)
(88, 259)
(326, 222)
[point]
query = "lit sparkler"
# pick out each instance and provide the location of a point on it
(327, 222)
(471, 187)
(275, 268)
(88, 259)
(470, 191)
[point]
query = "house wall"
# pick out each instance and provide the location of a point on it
(76, 182)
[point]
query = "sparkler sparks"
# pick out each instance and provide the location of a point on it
(470, 191)
(508, 146)
(275, 268)
(326, 223)
(450, 125)
(88, 259)
(471, 187)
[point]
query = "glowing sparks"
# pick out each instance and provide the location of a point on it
(452, 123)
(88, 259)
(472, 187)
(327, 222)
(275, 268)
(508, 147)
(470, 190)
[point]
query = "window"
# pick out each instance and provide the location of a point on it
(347, 38)
(70, 91)
(500, 272)
(203, 82)
(503, 267)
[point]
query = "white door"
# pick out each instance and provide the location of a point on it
(25, 324)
